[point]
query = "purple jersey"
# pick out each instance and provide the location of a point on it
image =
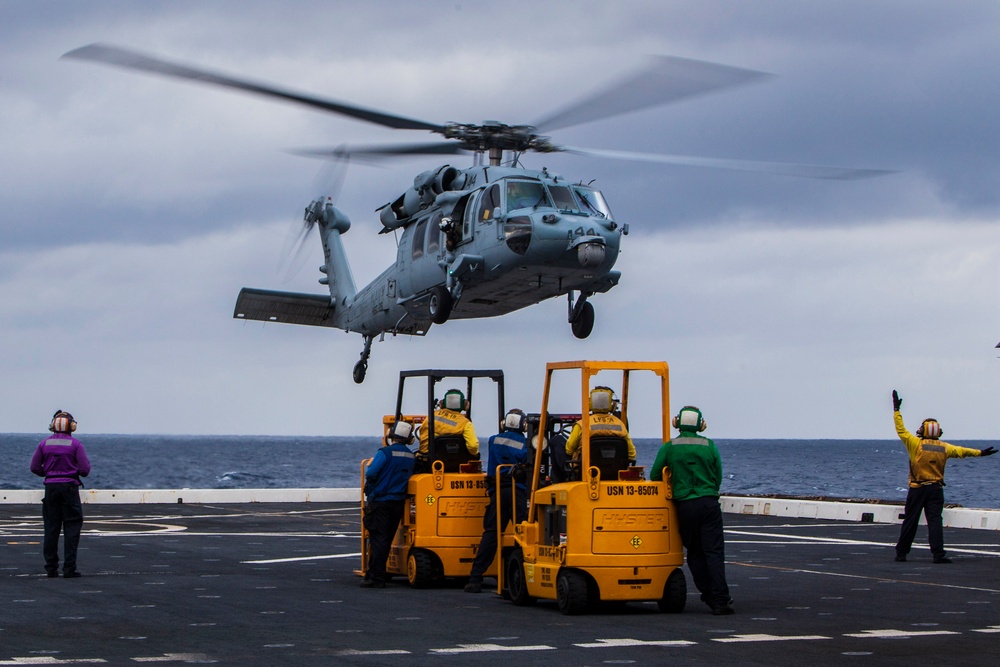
(60, 458)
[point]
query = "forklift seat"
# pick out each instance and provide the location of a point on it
(609, 454)
(451, 450)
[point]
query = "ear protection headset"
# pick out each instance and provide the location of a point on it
(690, 418)
(454, 400)
(602, 399)
(62, 422)
(401, 431)
(515, 421)
(930, 429)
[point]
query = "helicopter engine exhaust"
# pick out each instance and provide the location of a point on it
(590, 255)
(426, 187)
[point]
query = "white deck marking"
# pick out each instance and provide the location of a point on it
(799, 570)
(616, 643)
(803, 539)
(351, 651)
(49, 660)
(900, 634)
(299, 558)
(767, 638)
(491, 648)
(175, 657)
(989, 630)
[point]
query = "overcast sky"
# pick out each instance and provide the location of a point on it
(133, 208)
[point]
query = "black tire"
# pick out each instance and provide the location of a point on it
(360, 370)
(421, 568)
(571, 592)
(583, 324)
(517, 587)
(439, 305)
(674, 593)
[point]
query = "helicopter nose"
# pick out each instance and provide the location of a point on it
(590, 254)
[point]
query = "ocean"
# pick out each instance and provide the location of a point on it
(869, 469)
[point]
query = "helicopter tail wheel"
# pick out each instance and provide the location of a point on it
(439, 305)
(583, 323)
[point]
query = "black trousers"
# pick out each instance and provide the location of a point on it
(382, 520)
(488, 543)
(928, 499)
(700, 522)
(61, 512)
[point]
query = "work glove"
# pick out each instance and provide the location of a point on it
(897, 402)
(989, 451)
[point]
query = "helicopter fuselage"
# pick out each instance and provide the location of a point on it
(497, 239)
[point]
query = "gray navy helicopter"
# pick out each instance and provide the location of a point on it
(484, 240)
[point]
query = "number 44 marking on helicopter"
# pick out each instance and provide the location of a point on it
(485, 240)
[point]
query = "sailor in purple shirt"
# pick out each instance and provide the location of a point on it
(62, 461)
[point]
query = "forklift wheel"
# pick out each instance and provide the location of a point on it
(674, 593)
(421, 570)
(571, 592)
(517, 587)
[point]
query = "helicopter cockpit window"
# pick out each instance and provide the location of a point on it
(564, 199)
(526, 194)
(418, 239)
(489, 201)
(593, 202)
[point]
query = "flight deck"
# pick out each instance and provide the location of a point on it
(274, 583)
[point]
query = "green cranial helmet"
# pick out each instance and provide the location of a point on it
(690, 419)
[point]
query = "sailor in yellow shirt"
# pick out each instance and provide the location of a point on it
(602, 422)
(928, 455)
(449, 420)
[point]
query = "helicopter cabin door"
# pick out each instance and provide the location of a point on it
(484, 213)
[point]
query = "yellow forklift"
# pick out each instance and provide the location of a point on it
(443, 522)
(603, 533)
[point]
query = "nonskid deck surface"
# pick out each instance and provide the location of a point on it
(266, 584)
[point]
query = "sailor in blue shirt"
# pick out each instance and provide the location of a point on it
(385, 487)
(510, 446)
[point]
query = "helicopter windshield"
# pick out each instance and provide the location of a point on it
(526, 194)
(593, 202)
(564, 199)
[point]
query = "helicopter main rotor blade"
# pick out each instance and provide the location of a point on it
(666, 79)
(781, 168)
(386, 150)
(119, 57)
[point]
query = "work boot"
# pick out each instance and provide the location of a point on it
(474, 587)
(942, 560)
(71, 574)
(900, 558)
(372, 583)
(723, 609)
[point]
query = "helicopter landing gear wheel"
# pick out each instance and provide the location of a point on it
(572, 595)
(361, 368)
(439, 305)
(583, 323)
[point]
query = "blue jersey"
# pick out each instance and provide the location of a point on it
(389, 472)
(508, 447)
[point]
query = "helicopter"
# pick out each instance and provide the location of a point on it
(479, 241)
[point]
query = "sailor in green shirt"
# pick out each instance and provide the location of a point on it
(694, 470)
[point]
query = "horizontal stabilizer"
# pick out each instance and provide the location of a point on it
(286, 307)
